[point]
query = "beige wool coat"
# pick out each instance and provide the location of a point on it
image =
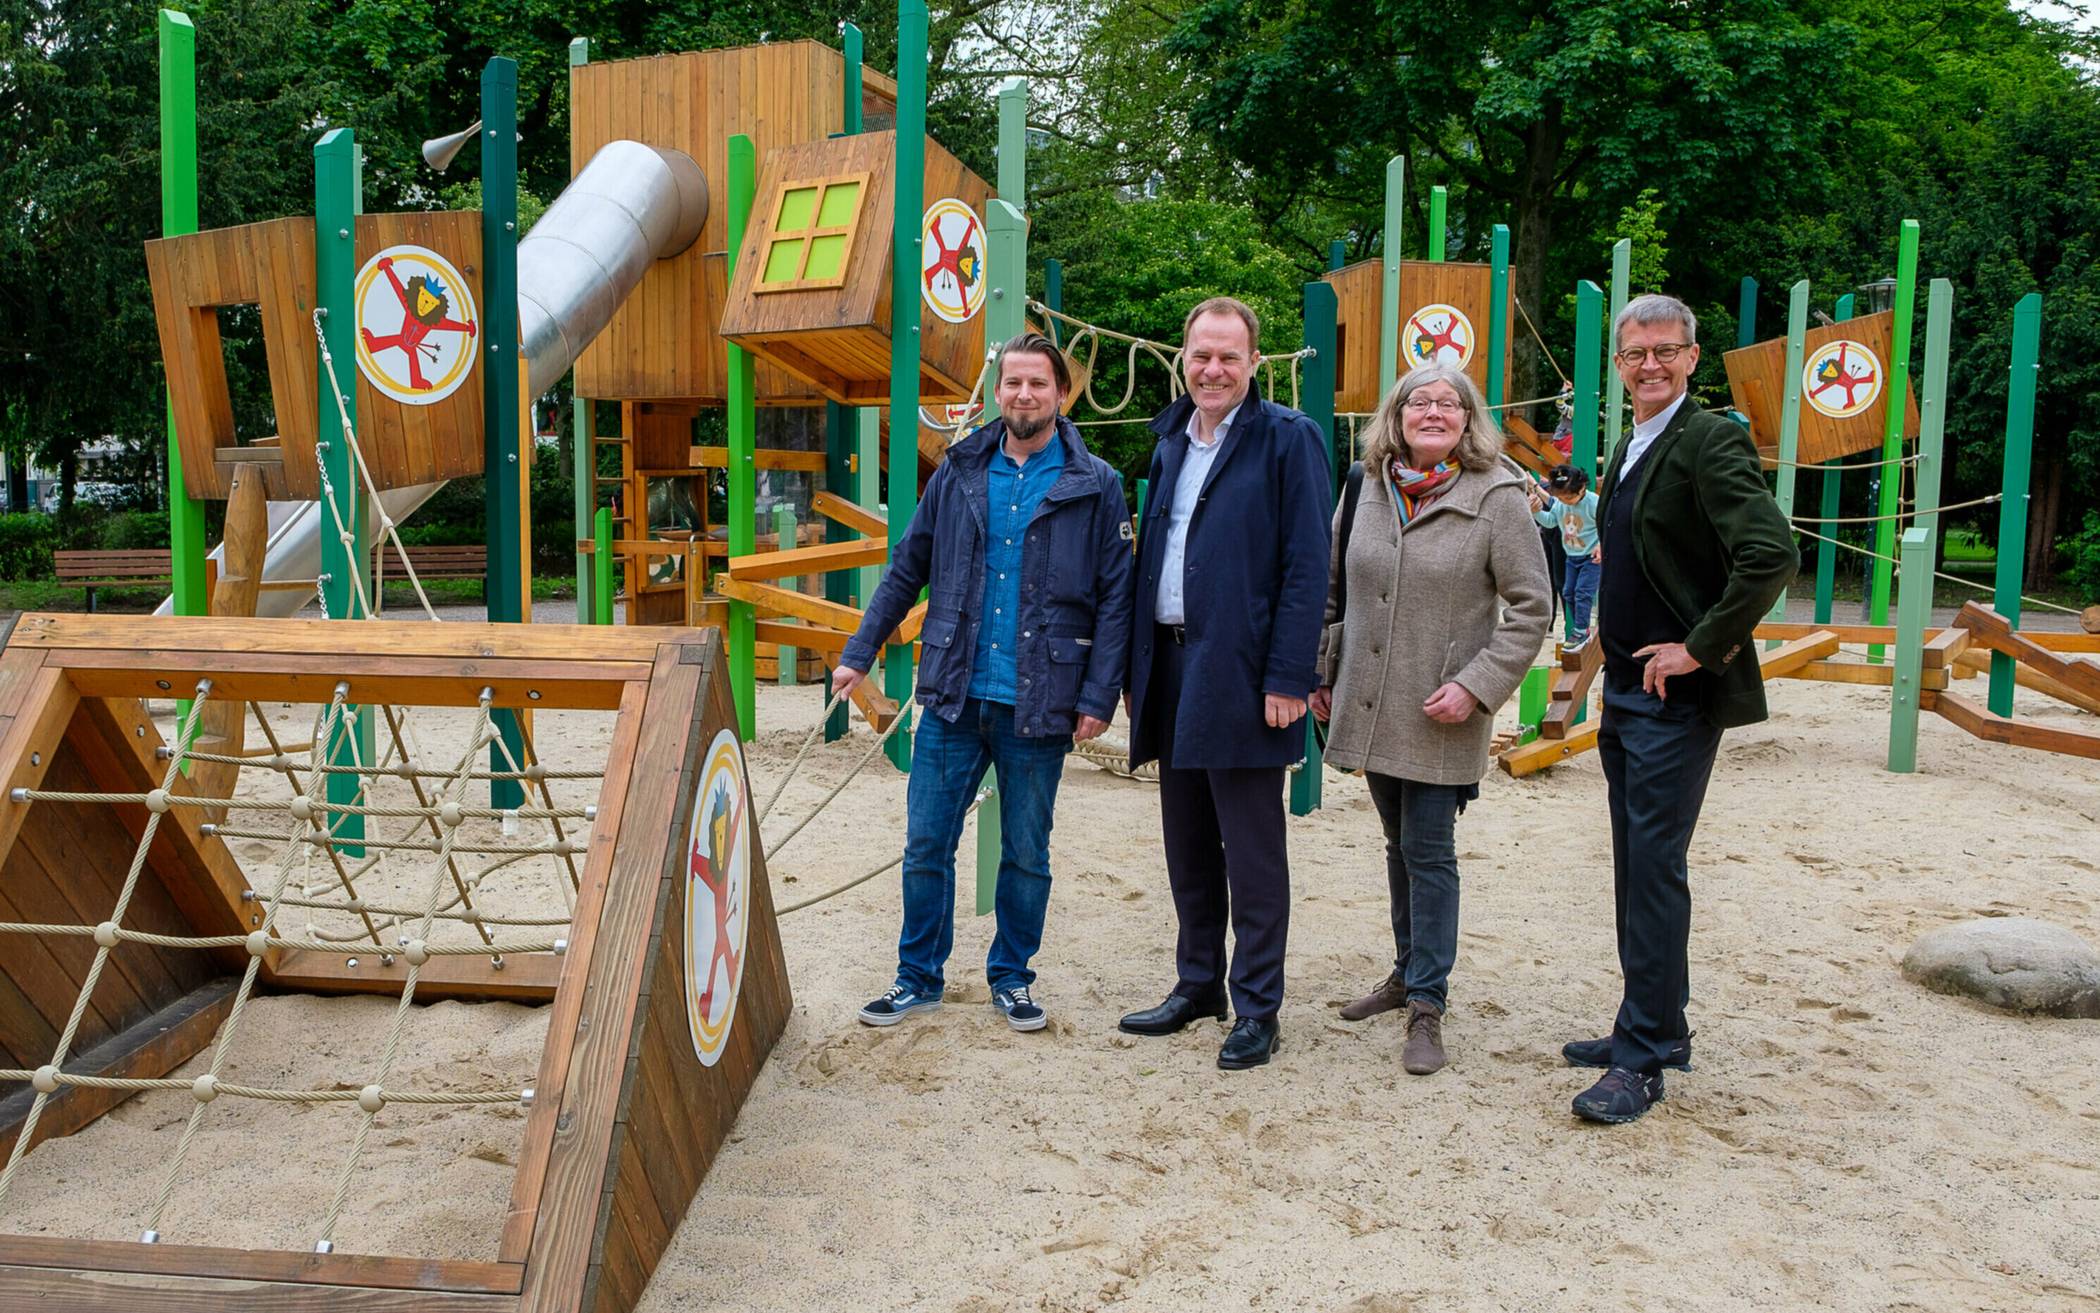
(1460, 595)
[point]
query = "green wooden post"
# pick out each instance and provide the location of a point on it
(1534, 695)
(867, 462)
(1898, 371)
(1746, 313)
(784, 531)
(1054, 295)
(602, 567)
(1439, 206)
(1389, 278)
(2012, 509)
(1913, 606)
(584, 432)
(501, 450)
(905, 311)
(1143, 486)
(1498, 312)
(1932, 410)
(840, 585)
(743, 443)
(178, 216)
(1833, 475)
(335, 274)
(1614, 396)
(1337, 254)
(1790, 418)
(1316, 395)
(1589, 365)
(850, 39)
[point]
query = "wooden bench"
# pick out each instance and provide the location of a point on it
(133, 567)
(469, 562)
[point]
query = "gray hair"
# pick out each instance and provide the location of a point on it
(1479, 447)
(1655, 308)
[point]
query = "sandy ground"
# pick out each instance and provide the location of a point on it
(1847, 1140)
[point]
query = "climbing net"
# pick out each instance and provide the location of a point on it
(449, 845)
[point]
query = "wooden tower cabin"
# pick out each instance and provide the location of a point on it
(1844, 398)
(1443, 318)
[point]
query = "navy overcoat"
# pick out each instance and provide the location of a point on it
(1254, 588)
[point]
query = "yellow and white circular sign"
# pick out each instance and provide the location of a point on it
(1438, 334)
(416, 325)
(717, 896)
(951, 267)
(1842, 378)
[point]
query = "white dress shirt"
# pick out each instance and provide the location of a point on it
(1196, 465)
(1646, 431)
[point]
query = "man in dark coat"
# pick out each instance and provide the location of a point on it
(1695, 553)
(1231, 587)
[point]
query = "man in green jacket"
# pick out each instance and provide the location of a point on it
(1695, 552)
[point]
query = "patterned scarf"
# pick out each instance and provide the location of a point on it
(1418, 488)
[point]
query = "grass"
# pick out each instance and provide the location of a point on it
(47, 595)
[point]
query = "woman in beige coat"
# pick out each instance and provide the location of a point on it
(1432, 621)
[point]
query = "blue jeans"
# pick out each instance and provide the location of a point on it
(1579, 587)
(1421, 874)
(947, 764)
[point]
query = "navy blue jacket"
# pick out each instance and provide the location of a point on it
(1075, 588)
(1254, 588)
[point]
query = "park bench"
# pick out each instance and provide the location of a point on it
(134, 567)
(469, 562)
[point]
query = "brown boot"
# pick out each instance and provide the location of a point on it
(1424, 1053)
(1390, 994)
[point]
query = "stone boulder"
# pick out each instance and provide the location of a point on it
(2011, 962)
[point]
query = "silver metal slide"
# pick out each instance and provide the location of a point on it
(631, 206)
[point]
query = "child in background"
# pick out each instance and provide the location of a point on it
(1572, 508)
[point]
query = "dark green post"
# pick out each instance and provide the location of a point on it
(1317, 396)
(905, 258)
(2012, 508)
(1498, 312)
(743, 451)
(500, 420)
(178, 216)
(335, 276)
(1746, 314)
(1833, 474)
(584, 445)
(1337, 254)
(1589, 365)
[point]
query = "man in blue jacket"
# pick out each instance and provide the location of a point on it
(1232, 586)
(1022, 540)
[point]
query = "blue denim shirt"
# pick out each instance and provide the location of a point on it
(1012, 493)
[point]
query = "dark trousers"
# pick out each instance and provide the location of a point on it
(1657, 758)
(1421, 875)
(1226, 860)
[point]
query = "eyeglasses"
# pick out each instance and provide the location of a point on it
(1423, 405)
(1664, 354)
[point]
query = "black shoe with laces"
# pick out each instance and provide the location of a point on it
(1620, 1096)
(1250, 1044)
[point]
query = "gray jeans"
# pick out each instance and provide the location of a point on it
(1421, 873)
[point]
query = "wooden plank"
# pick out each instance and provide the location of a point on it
(1985, 724)
(1789, 657)
(764, 458)
(523, 978)
(29, 744)
(295, 1269)
(2054, 640)
(1859, 672)
(374, 677)
(222, 639)
(1542, 752)
(1989, 629)
(831, 642)
(1571, 689)
(769, 600)
(874, 704)
(148, 1049)
(54, 1290)
(1945, 647)
(1972, 663)
(820, 559)
(832, 506)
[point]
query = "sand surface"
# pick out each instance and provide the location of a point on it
(1847, 1140)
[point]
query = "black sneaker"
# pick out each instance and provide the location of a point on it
(1597, 1053)
(894, 1006)
(1621, 1096)
(1022, 1012)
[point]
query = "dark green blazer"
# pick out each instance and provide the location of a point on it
(1714, 546)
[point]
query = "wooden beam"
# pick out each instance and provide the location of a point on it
(834, 507)
(831, 642)
(29, 742)
(1789, 657)
(820, 559)
(1571, 689)
(375, 676)
(1543, 752)
(1944, 647)
(874, 704)
(1989, 629)
(1986, 724)
(1854, 635)
(769, 600)
(1859, 672)
(148, 1049)
(764, 458)
(523, 978)
(1972, 663)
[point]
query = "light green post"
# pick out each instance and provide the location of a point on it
(1439, 205)
(1589, 366)
(1898, 370)
(1317, 397)
(178, 216)
(335, 273)
(1614, 396)
(1932, 409)
(584, 433)
(1534, 695)
(602, 567)
(1389, 277)
(1913, 606)
(867, 484)
(906, 262)
(743, 442)
(784, 532)
(1790, 419)
(2012, 509)
(1498, 312)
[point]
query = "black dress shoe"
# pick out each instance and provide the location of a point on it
(1620, 1096)
(1173, 1015)
(1249, 1045)
(1597, 1053)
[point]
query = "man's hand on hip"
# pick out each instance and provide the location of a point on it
(1282, 712)
(1090, 727)
(1664, 660)
(845, 679)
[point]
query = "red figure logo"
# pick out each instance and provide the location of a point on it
(1439, 335)
(725, 818)
(718, 899)
(1841, 379)
(425, 309)
(951, 273)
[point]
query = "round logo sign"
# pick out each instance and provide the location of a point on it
(717, 897)
(416, 325)
(1439, 334)
(1842, 378)
(951, 273)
